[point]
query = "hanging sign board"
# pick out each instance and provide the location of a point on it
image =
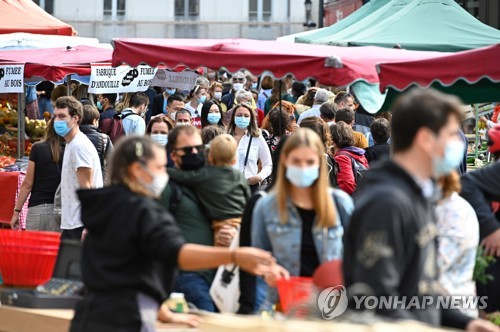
(185, 80)
(107, 79)
(11, 78)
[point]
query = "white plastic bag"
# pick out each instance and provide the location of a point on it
(225, 289)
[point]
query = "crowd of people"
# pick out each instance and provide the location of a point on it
(300, 175)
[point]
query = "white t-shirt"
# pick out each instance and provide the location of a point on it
(259, 150)
(80, 152)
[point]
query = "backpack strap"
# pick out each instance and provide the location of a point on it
(353, 163)
(127, 114)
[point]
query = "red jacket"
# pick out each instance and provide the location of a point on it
(345, 176)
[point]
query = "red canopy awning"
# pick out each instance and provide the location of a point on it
(26, 16)
(445, 70)
(338, 66)
(54, 64)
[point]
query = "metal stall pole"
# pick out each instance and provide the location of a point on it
(21, 132)
(68, 85)
(476, 153)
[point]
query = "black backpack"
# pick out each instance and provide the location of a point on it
(358, 169)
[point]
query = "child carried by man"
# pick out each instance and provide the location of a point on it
(221, 189)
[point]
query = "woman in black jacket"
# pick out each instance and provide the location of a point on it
(133, 245)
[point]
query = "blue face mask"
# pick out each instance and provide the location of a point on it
(202, 99)
(61, 128)
(453, 155)
(302, 177)
(169, 91)
(161, 139)
(254, 85)
(242, 122)
(213, 118)
(99, 105)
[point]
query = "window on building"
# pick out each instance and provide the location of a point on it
(187, 9)
(259, 10)
(114, 8)
(47, 5)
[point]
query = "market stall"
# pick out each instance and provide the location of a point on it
(27, 16)
(391, 23)
(10, 184)
(333, 66)
(473, 75)
(15, 319)
(336, 66)
(49, 64)
(50, 320)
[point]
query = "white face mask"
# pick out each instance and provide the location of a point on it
(218, 95)
(158, 184)
(161, 139)
(237, 86)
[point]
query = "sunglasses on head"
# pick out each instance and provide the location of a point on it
(189, 149)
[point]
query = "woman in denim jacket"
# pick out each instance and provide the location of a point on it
(300, 220)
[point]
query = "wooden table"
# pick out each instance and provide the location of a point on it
(15, 319)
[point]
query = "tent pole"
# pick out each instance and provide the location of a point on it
(476, 153)
(68, 85)
(280, 106)
(21, 103)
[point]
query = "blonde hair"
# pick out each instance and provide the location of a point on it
(124, 102)
(214, 85)
(323, 202)
(223, 150)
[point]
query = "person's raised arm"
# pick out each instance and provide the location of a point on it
(197, 257)
(479, 188)
(188, 178)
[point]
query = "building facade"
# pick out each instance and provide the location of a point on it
(107, 19)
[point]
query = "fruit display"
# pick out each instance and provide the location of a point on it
(8, 117)
(6, 161)
(35, 129)
(8, 144)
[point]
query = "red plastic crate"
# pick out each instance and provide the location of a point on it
(295, 291)
(27, 258)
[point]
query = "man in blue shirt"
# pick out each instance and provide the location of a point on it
(133, 117)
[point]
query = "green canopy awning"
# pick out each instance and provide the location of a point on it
(367, 9)
(430, 25)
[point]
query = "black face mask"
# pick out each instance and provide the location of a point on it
(193, 161)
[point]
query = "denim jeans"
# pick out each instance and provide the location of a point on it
(260, 295)
(44, 105)
(196, 290)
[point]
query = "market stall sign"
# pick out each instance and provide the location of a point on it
(11, 78)
(185, 80)
(107, 79)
